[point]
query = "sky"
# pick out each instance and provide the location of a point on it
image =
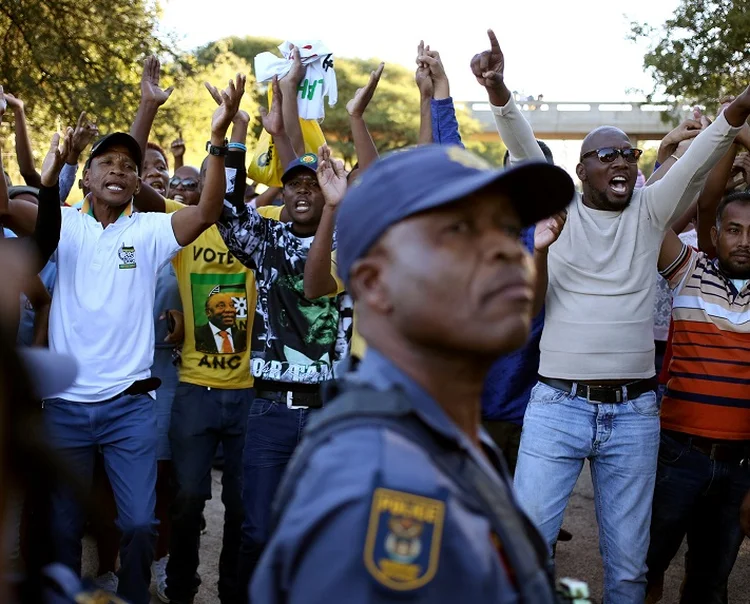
(574, 50)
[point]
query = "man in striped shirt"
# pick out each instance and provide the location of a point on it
(705, 417)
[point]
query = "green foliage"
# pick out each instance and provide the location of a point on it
(189, 109)
(700, 53)
(65, 56)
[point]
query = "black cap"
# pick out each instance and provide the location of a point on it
(422, 178)
(114, 139)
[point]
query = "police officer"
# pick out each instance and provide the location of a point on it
(396, 492)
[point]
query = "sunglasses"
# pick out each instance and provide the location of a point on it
(188, 183)
(607, 155)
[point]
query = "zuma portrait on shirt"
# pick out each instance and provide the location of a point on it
(220, 335)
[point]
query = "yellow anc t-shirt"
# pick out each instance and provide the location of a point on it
(212, 281)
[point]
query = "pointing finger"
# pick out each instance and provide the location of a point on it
(494, 44)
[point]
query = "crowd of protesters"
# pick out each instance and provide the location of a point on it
(209, 325)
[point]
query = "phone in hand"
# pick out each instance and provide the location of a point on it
(170, 321)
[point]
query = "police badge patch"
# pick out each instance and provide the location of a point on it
(402, 549)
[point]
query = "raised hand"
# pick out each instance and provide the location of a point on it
(431, 59)
(422, 76)
(178, 146)
(85, 132)
(292, 79)
(488, 66)
(331, 177)
(230, 104)
(273, 120)
(14, 102)
(356, 107)
(58, 152)
(548, 230)
(150, 91)
(686, 131)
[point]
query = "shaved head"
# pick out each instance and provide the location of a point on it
(604, 136)
(607, 184)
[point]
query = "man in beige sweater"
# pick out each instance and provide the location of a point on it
(595, 398)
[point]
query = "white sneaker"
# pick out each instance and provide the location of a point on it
(159, 573)
(107, 582)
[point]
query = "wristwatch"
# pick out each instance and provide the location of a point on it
(215, 150)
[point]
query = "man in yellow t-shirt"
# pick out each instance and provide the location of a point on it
(213, 396)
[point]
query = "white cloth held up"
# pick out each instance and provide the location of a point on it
(319, 80)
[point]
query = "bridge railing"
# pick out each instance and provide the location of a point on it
(581, 118)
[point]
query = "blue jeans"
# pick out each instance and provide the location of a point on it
(621, 442)
(125, 429)
(273, 432)
(201, 419)
(701, 497)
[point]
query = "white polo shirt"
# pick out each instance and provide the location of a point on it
(102, 310)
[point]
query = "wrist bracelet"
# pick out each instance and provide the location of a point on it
(239, 146)
(674, 157)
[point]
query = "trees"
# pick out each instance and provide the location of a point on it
(701, 52)
(190, 107)
(65, 56)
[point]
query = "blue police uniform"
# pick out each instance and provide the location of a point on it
(372, 517)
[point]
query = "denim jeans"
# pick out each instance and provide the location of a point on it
(621, 442)
(201, 419)
(273, 432)
(689, 483)
(125, 429)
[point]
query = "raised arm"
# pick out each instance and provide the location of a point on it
(190, 222)
(318, 280)
(46, 234)
(426, 90)
(236, 154)
(709, 199)
(152, 97)
(366, 150)
(546, 232)
(670, 197)
(4, 199)
(23, 143)
(273, 122)
(178, 152)
(443, 112)
(488, 68)
(85, 132)
(289, 87)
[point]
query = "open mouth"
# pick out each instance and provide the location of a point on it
(619, 185)
(114, 187)
(156, 185)
(178, 197)
(302, 206)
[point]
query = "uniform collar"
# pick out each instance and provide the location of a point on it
(380, 372)
(88, 208)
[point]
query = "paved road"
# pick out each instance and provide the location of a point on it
(578, 558)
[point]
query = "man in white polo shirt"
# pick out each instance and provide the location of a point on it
(102, 315)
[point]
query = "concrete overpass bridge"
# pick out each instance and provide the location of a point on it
(572, 121)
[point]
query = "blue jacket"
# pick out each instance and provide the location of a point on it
(509, 383)
(374, 519)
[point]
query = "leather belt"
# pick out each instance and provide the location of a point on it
(603, 393)
(717, 450)
(292, 395)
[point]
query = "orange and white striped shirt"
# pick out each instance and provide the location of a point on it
(708, 392)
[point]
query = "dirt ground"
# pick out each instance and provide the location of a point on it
(578, 558)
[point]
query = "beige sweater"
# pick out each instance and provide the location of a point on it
(600, 297)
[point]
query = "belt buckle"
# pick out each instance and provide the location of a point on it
(290, 401)
(618, 395)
